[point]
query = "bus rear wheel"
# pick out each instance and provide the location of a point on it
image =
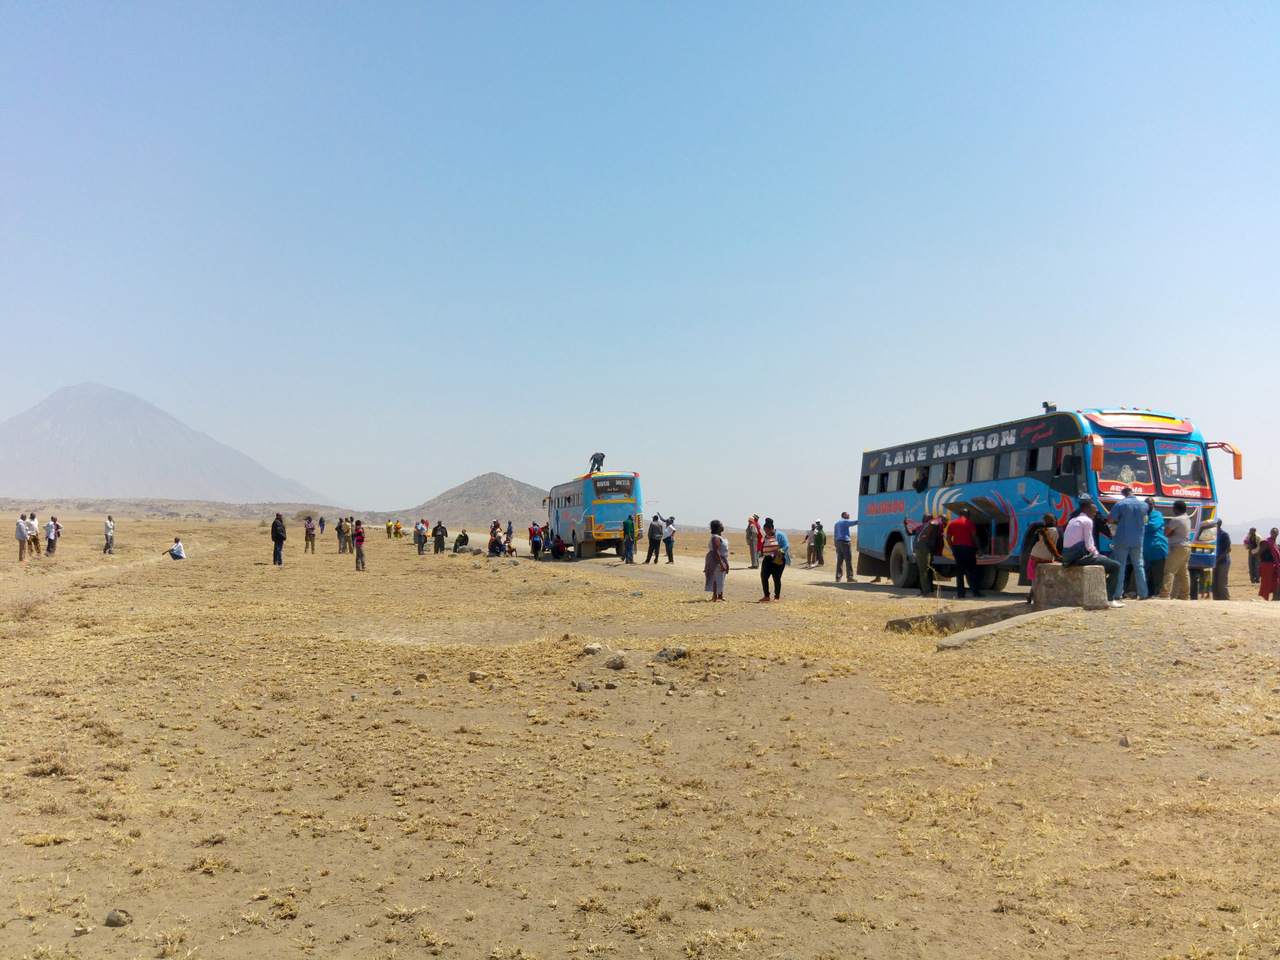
(902, 571)
(994, 580)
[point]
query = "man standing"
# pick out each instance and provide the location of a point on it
(51, 536)
(278, 538)
(438, 534)
(109, 531)
(1177, 580)
(357, 541)
(1078, 549)
(390, 524)
(655, 539)
(753, 539)
(535, 539)
(1222, 566)
(962, 538)
(33, 534)
(340, 528)
(420, 535)
(20, 534)
(843, 534)
(628, 539)
(1252, 542)
(308, 535)
(669, 537)
(1129, 517)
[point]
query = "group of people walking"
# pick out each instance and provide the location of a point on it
(27, 533)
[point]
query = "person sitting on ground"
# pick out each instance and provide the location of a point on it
(462, 541)
(495, 546)
(557, 548)
(1079, 550)
(176, 551)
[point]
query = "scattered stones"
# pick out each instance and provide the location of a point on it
(475, 676)
(659, 681)
(1124, 740)
(616, 662)
(477, 565)
(515, 563)
(118, 918)
(584, 686)
(591, 649)
(637, 593)
(610, 685)
(670, 654)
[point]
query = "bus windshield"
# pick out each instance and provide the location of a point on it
(1126, 464)
(613, 488)
(1182, 469)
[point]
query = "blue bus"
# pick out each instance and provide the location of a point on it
(1011, 474)
(587, 512)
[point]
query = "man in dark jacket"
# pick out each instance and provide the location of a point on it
(438, 534)
(277, 539)
(656, 527)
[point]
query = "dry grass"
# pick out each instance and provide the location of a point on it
(262, 762)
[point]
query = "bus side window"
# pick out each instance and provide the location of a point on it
(984, 468)
(937, 473)
(865, 487)
(895, 481)
(921, 482)
(1012, 464)
(1040, 460)
(882, 484)
(963, 471)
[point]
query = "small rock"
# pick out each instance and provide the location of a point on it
(477, 565)
(719, 691)
(669, 654)
(616, 662)
(1203, 777)
(1124, 740)
(587, 744)
(477, 675)
(671, 693)
(81, 929)
(672, 687)
(583, 686)
(354, 698)
(591, 649)
(610, 685)
(513, 563)
(397, 692)
(659, 681)
(118, 918)
(637, 593)
(586, 583)
(531, 713)
(422, 676)
(477, 552)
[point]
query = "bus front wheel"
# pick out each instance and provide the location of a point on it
(902, 571)
(994, 580)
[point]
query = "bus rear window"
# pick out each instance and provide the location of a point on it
(1125, 464)
(1182, 470)
(613, 488)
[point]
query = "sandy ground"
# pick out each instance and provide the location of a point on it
(261, 762)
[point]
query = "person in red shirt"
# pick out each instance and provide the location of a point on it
(962, 538)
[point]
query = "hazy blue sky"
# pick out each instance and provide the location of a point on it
(382, 248)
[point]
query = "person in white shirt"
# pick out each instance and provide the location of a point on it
(109, 531)
(33, 534)
(669, 538)
(1079, 550)
(51, 536)
(176, 551)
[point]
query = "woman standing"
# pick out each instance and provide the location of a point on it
(716, 564)
(1269, 567)
(820, 542)
(357, 541)
(775, 554)
(1252, 543)
(1155, 548)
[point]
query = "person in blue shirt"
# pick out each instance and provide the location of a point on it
(1222, 566)
(842, 534)
(1155, 548)
(1129, 517)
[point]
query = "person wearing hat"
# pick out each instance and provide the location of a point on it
(308, 535)
(753, 539)
(820, 543)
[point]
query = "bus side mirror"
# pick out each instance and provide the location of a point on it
(1096, 454)
(1237, 462)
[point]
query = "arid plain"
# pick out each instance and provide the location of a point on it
(261, 762)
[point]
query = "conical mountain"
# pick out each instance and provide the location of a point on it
(95, 441)
(490, 496)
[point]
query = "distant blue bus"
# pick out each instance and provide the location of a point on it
(1011, 474)
(588, 511)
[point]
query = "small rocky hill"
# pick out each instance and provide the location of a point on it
(475, 503)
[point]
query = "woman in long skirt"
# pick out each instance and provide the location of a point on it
(717, 561)
(1269, 567)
